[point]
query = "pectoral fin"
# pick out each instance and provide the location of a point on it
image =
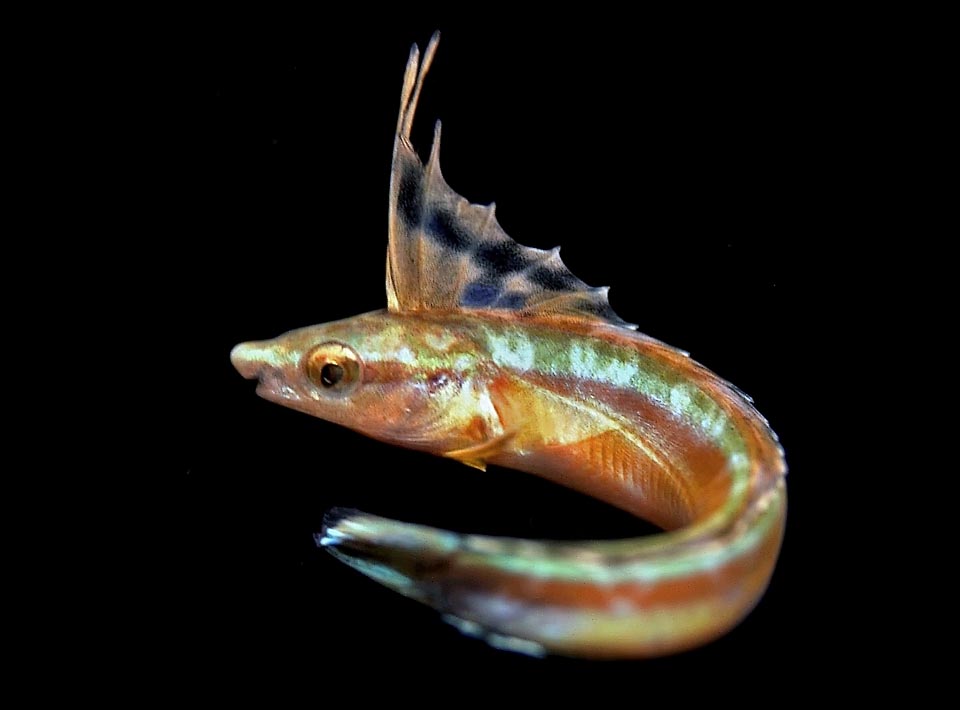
(476, 456)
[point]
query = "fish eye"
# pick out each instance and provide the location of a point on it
(330, 374)
(333, 367)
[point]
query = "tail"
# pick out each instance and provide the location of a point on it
(622, 599)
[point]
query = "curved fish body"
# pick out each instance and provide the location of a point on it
(490, 352)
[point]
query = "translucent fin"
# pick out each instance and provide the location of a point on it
(446, 254)
(476, 456)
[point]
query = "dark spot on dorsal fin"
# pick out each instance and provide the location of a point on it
(479, 294)
(501, 257)
(445, 229)
(409, 200)
(511, 301)
(554, 277)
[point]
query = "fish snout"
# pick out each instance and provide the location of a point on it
(250, 359)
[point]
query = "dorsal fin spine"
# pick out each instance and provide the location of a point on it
(433, 164)
(491, 218)
(409, 79)
(411, 97)
(448, 254)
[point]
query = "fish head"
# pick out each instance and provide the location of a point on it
(400, 379)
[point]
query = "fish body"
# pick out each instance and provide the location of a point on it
(493, 353)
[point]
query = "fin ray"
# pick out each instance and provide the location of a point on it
(448, 254)
(476, 456)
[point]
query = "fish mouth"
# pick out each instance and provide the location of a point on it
(257, 361)
(274, 388)
(248, 359)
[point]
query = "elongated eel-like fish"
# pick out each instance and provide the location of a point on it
(491, 352)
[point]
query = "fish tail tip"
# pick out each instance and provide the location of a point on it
(335, 516)
(324, 540)
(332, 533)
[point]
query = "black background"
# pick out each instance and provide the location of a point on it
(696, 166)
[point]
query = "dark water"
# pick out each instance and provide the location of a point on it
(684, 167)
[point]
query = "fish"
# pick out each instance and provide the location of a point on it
(493, 353)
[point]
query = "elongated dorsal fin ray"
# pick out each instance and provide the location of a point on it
(413, 78)
(448, 254)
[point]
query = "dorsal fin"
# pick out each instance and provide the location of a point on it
(446, 254)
